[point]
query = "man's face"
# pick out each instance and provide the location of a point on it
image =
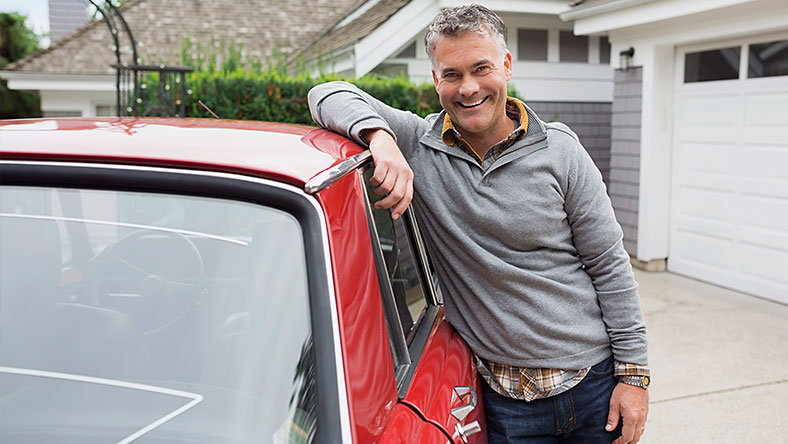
(470, 77)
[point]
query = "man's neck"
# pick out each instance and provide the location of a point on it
(483, 144)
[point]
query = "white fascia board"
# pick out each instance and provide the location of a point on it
(739, 21)
(393, 34)
(648, 12)
(596, 8)
(33, 81)
(553, 7)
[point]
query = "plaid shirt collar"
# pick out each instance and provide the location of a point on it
(515, 110)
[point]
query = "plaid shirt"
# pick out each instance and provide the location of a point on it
(526, 384)
(529, 384)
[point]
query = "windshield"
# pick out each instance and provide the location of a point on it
(149, 317)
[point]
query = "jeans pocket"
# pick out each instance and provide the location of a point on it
(602, 369)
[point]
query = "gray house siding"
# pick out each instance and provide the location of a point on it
(624, 183)
(590, 120)
(65, 16)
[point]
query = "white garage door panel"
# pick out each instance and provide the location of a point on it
(707, 227)
(767, 238)
(710, 157)
(714, 110)
(765, 162)
(729, 190)
(709, 182)
(706, 204)
(763, 212)
(766, 109)
(765, 266)
(712, 255)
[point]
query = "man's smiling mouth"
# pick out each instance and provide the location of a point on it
(472, 104)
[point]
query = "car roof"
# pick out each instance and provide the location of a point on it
(287, 152)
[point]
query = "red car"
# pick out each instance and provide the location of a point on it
(206, 281)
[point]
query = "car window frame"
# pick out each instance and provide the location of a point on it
(331, 386)
(406, 350)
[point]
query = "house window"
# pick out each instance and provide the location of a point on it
(574, 48)
(408, 53)
(604, 50)
(46, 113)
(105, 110)
(768, 59)
(717, 64)
(532, 44)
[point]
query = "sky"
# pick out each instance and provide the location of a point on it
(37, 12)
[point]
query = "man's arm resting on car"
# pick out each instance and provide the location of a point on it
(393, 177)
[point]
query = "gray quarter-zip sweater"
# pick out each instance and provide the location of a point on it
(526, 246)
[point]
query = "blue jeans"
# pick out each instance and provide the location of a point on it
(578, 415)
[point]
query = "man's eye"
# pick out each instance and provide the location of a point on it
(483, 69)
(450, 75)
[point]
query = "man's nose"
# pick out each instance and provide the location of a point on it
(469, 86)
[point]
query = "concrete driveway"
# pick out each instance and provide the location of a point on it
(719, 362)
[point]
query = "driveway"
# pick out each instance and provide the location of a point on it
(719, 362)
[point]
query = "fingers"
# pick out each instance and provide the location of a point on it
(399, 198)
(392, 177)
(627, 432)
(613, 415)
(631, 403)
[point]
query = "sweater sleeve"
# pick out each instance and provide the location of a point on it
(345, 109)
(598, 239)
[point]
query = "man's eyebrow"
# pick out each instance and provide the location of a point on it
(445, 71)
(481, 62)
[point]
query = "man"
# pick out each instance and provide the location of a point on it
(523, 235)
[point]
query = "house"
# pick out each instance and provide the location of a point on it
(699, 150)
(74, 76)
(560, 75)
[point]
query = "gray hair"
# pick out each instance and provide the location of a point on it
(454, 22)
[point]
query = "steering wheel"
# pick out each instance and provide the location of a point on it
(152, 276)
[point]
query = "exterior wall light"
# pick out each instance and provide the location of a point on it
(625, 58)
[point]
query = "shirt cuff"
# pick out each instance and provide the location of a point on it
(627, 369)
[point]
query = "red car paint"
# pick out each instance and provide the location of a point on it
(292, 154)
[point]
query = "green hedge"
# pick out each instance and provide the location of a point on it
(270, 96)
(236, 87)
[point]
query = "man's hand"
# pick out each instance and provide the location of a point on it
(393, 177)
(631, 404)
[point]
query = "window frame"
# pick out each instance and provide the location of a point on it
(333, 423)
(406, 351)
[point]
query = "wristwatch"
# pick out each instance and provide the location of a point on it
(637, 381)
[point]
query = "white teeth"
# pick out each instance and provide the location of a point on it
(472, 104)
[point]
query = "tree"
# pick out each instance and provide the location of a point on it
(16, 41)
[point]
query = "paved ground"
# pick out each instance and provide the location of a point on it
(719, 362)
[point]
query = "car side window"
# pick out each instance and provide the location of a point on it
(404, 279)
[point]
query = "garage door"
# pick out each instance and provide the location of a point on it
(729, 201)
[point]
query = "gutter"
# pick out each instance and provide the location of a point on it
(598, 7)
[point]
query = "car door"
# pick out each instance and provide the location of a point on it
(434, 369)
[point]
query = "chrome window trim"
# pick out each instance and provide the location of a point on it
(344, 413)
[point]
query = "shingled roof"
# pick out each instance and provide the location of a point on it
(261, 26)
(336, 38)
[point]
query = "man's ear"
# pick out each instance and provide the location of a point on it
(434, 79)
(507, 65)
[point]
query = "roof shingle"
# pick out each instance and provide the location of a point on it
(263, 27)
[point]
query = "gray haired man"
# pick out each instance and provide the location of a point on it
(525, 242)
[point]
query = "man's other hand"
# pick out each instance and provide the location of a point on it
(393, 177)
(631, 404)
